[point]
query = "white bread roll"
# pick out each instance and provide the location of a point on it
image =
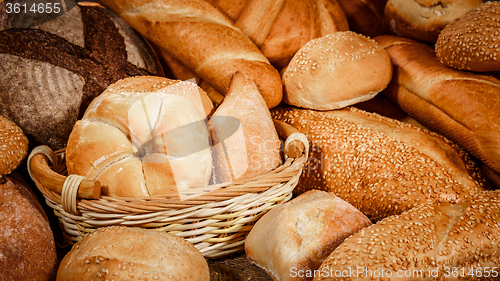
(297, 236)
(430, 242)
(131, 253)
(13, 146)
(246, 143)
(335, 71)
(381, 166)
(143, 136)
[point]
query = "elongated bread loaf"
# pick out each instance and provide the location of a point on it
(379, 165)
(430, 242)
(463, 106)
(200, 37)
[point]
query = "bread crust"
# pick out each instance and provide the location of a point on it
(143, 136)
(379, 165)
(134, 254)
(200, 37)
(465, 45)
(428, 242)
(461, 105)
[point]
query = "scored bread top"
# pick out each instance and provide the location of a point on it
(143, 136)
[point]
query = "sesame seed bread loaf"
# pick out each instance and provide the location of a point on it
(51, 70)
(132, 253)
(297, 236)
(335, 71)
(472, 42)
(143, 136)
(440, 241)
(423, 20)
(463, 106)
(199, 36)
(379, 165)
(27, 247)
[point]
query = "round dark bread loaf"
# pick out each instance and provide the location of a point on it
(27, 247)
(51, 70)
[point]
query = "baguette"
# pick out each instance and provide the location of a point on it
(426, 243)
(205, 41)
(463, 106)
(381, 166)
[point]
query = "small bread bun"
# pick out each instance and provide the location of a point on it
(297, 236)
(335, 71)
(13, 146)
(423, 20)
(472, 41)
(132, 253)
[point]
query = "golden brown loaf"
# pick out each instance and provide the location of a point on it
(27, 248)
(423, 19)
(246, 143)
(463, 106)
(132, 253)
(379, 165)
(429, 242)
(335, 71)
(365, 16)
(52, 70)
(143, 136)
(199, 36)
(13, 146)
(297, 236)
(280, 27)
(472, 41)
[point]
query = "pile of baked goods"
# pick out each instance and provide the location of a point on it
(399, 100)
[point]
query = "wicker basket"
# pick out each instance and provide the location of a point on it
(216, 221)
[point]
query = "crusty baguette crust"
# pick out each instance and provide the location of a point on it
(461, 105)
(381, 166)
(200, 37)
(428, 241)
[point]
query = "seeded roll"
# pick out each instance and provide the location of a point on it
(13, 146)
(472, 41)
(430, 242)
(381, 166)
(132, 253)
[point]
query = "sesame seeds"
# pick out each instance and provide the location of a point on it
(470, 43)
(13, 146)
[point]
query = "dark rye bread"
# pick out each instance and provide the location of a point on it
(51, 72)
(381, 166)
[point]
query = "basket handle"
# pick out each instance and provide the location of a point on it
(296, 143)
(41, 172)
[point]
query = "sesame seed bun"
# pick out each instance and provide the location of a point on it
(472, 42)
(381, 166)
(132, 253)
(426, 242)
(13, 146)
(335, 71)
(423, 20)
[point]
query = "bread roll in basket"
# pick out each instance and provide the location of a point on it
(214, 217)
